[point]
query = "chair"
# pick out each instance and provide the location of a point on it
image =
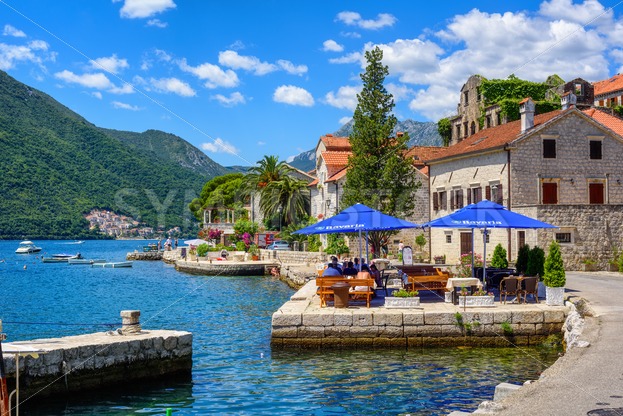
(509, 286)
(530, 285)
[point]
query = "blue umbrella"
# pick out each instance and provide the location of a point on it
(486, 214)
(357, 218)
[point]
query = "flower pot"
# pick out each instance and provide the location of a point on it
(392, 302)
(439, 261)
(476, 301)
(255, 257)
(554, 296)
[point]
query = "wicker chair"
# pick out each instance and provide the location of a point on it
(509, 286)
(530, 285)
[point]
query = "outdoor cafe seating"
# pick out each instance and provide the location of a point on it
(509, 286)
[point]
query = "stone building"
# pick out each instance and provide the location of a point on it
(332, 155)
(609, 92)
(562, 167)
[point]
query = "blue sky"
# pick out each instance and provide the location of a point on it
(242, 79)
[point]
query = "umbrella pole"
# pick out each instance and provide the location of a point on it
(484, 258)
(473, 271)
(367, 245)
(359, 249)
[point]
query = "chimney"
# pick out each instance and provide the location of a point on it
(526, 109)
(568, 100)
(399, 134)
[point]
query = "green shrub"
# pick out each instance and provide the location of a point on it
(202, 249)
(536, 260)
(402, 293)
(420, 240)
(554, 275)
(499, 260)
(336, 244)
(241, 246)
(522, 259)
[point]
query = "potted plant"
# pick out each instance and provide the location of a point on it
(590, 264)
(554, 276)
(202, 250)
(480, 298)
(254, 252)
(192, 254)
(440, 259)
(403, 299)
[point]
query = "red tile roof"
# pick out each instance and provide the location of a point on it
(609, 85)
(614, 123)
(422, 154)
(313, 183)
(336, 158)
(336, 143)
(492, 137)
(338, 175)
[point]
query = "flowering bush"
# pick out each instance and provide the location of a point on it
(440, 258)
(465, 268)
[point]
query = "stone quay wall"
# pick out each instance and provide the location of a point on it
(221, 268)
(77, 363)
(299, 324)
(148, 255)
(294, 257)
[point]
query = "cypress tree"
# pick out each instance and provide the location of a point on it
(554, 275)
(522, 259)
(499, 260)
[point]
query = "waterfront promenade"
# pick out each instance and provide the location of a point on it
(585, 380)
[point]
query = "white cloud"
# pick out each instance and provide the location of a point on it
(97, 95)
(435, 102)
(35, 52)
(332, 46)
(409, 58)
(355, 19)
(219, 145)
(111, 64)
(400, 92)
(234, 99)
(292, 69)
(214, 75)
(97, 80)
(351, 58)
(157, 23)
(125, 88)
(12, 31)
(345, 98)
(289, 94)
(139, 9)
(344, 120)
(290, 158)
(172, 85)
(123, 106)
(261, 143)
(352, 35)
(38, 45)
(583, 13)
(233, 60)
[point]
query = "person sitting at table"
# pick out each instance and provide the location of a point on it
(350, 270)
(376, 274)
(335, 265)
(356, 265)
(331, 271)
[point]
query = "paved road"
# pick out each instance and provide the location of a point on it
(586, 381)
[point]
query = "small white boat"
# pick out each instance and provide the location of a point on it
(27, 247)
(113, 265)
(85, 261)
(62, 258)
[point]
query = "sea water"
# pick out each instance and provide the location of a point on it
(235, 371)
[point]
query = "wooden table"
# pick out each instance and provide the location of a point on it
(461, 282)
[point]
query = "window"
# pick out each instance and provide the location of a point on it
(449, 238)
(465, 128)
(473, 128)
(458, 131)
(498, 118)
(435, 201)
(578, 89)
(596, 193)
(549, 193)
(443, 200)
(595, 149)
(494, 193)
(466, 95)
(456, 199)
(474, 195)
(563, 238)
(521, 238)
(549, 149)
(488, 121)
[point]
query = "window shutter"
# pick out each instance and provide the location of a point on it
(469, 196)
(443, 203)
(459, 197)
(452, 200)
(500, 199)
(488, 193)
(435, 202)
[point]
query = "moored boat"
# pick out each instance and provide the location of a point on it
(27, 247)
(113, 265)
(85, 261)
(62, 258)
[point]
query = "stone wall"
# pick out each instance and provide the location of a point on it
(223, 268)
(92, 361)
(298, 324)
(293, 257)
(147, 255)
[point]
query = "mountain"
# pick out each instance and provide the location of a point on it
(420, 134)
(57, 167)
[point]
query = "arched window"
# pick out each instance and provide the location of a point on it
(473, 128)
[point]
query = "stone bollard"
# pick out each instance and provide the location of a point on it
(130, 322)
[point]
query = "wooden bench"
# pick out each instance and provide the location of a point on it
(428, 278)
(356, 288)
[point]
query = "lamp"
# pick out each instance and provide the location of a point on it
(328, 202)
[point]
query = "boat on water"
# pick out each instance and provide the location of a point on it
(113, 265)
(85, 261)
(62, 258)
(27, 247)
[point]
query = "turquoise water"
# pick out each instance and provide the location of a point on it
(234, 370)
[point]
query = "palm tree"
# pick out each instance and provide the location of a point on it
(289, 194)
(266, 171)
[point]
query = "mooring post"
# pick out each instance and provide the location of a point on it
(130, 322)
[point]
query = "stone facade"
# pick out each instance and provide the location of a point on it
(587, 191)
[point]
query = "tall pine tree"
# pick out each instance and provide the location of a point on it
(379, 174)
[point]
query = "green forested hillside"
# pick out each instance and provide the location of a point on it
(56, 166)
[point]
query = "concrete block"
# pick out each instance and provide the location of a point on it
(527, 317)
(318, 319)
(285, 331)
(482, 317)
(501, 316)
(413, 318)
(281, 319)
(451, 331)
(170, 343)
(550, 316)
(504, 389)
(439, 318)
(430, 330)
(391, 331)
(382, 342)
(337, 331)
(342, 318)
(385, 317)
(362, 318)
(311, 331)
(524, 329)
(364, 331)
